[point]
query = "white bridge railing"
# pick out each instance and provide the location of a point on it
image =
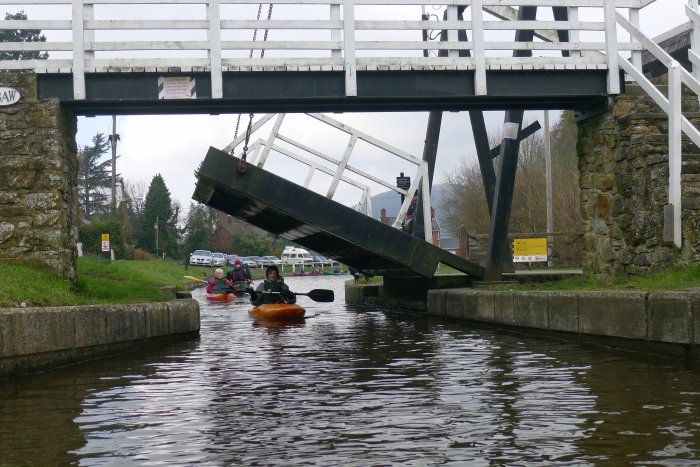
(341, 169)
(214, 36)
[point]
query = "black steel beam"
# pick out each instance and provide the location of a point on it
(452, 90)
(499, 257)
(526, 132)
(481, 140)
(432, 137)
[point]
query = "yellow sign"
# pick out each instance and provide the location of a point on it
(105, 237)
(527, 250)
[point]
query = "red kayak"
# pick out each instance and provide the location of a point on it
(221, 297)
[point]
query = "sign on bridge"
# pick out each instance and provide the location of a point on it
(8, 96)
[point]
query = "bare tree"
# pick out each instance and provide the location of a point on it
(466, 201)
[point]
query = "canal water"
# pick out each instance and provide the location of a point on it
(352, 386)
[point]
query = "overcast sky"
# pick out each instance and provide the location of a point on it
(174, 145)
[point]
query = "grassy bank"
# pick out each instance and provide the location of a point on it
(136, 281)
(98, 282)
(672, 279)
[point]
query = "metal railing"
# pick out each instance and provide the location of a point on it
(671, 105)
(318, 161)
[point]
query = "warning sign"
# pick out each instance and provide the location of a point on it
(105, 242)
(526, 250)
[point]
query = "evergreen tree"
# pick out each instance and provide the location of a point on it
(199, 228)
(158, 215)
(94, 175)
(22, 35)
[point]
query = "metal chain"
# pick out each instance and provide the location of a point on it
(243, 164)
(255, 35)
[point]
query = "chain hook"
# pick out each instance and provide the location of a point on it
(243, 163)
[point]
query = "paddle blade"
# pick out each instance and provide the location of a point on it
(320, 295)
(195, 279)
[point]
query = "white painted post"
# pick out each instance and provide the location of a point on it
(335, 33)
(573, 33)
(309, 176)
(425, 195)
(368, 197)
(214, 52)
(253, 154)
(349, 46)
(341, 167)
(452, 33)
(695, 37)
(636, 54)
(479, 53)
(611, 48)
(674, 148)
(89, 34)
(78, 24)
(271, 139)
(548, 177)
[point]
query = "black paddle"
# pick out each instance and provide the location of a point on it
(317, 295)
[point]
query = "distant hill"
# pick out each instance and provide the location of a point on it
(391, 201)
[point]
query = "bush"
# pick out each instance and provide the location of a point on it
(91, 236)
(131, 252)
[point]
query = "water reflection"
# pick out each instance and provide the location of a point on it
(354, 386)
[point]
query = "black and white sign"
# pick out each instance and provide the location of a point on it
(176, 87)
(8, 96)
(403, 182)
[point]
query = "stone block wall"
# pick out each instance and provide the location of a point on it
(623, 164)
(38, 179)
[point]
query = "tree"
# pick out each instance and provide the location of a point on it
(158, 216)
(199, 228)
(94, 176)
(466, 201)
(22, 35)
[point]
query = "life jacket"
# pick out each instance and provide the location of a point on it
(269, 286)
(219, 285)
(238, 275)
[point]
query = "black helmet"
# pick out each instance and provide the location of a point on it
(272, 268)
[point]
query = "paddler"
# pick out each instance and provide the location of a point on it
(239, 276)
(273, 283)
(219, 284)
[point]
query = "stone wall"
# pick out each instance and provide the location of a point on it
(36, 338)
(623, 162)
(38, 179)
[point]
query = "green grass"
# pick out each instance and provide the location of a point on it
(136, 281)
(98, 282)
(672, 279)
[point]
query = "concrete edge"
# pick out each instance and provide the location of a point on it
(661, 322)
(33, 339)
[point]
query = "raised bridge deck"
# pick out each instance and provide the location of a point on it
(316, 222)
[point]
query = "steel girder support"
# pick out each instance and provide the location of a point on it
(499, 257)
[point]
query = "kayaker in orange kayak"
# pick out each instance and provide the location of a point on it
(218, 284)
(272, 289)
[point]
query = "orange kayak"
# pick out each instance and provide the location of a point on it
(221, 297)
(277, 311)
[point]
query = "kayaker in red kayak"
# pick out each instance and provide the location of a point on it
(219, 284)
(272, 289)
(239, 277)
